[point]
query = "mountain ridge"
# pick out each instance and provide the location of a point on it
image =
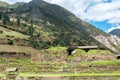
(55, 26)
(115, 32)
(4, 4)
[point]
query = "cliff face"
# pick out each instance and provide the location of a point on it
(112, 42)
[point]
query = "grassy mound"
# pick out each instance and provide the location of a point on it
(92, 55)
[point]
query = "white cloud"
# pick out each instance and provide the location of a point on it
(94, 10)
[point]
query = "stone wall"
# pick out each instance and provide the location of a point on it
(101, 57)
(17, 41)
(50, 56)
(14, 55)
(62, 55)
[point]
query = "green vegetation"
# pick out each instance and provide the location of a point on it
(92, 52)
(26, 66)
(0, 16)
(68, 68)
(30, 30)
(49, 30)
(6, 19)
(71, 75)
(10, 42)
(68, 75)
(107, 63)
(1, 31)
(101, 63)
(99, 52)
(57, 48)
(18, 21)
(79, 52)
(39, 44)
(13, 34)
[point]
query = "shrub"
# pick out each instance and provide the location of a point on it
(1, 32)
(39, 44)
(10, 42)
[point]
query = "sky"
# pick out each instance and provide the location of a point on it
(104, 14)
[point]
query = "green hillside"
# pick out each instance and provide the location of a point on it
(49, 25)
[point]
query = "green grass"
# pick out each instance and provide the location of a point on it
(91, 52)
(2, 74)
(101, 63)
(71, 75)
(68, 75)
(79, 52)
(57, 48)
(110, 62)
(7, 32)
(26, 66)
(98, 52)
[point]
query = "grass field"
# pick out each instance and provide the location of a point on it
(71, 75)
(26, 66)
(57, 48)
(67, 75)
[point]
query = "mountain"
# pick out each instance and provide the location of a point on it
(115, 32)
(4, 4)
(39, 10)
(59, 23)
(7, 5)
(17, 4)
(52, 25)
(112, 42)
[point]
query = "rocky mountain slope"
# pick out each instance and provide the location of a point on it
(115, 32)
(112, 42)
(17, 4)
(4, 4)
(51, 25)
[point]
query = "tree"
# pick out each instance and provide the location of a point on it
(6, 19)
(39, 44)
(0, 16)
(18, 21)
(10, 42)
(30, 30)
(38, 34)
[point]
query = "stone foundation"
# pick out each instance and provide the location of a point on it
(50, 56)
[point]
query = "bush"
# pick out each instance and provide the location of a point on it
(39, 44)
(10, 42)
(1, 32)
